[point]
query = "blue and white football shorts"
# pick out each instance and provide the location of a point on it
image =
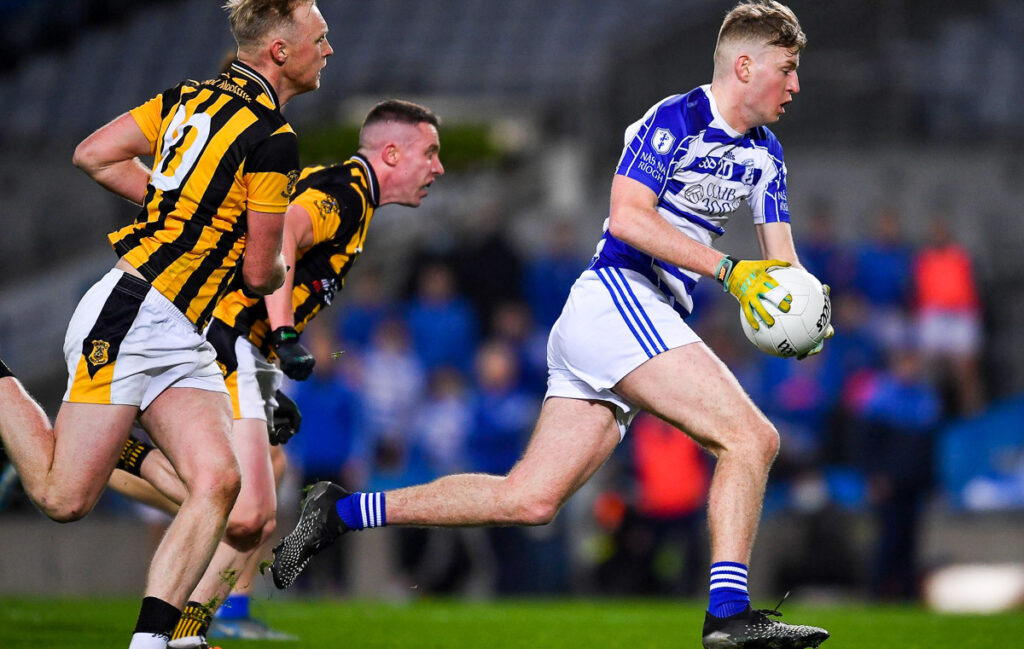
(127, 343)
(613, 322)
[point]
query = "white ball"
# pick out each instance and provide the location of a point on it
(803, 326)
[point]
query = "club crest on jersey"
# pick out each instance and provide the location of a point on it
(100, 352)
(327, 206)
(662, 140)
(748, 172)
(293, 178)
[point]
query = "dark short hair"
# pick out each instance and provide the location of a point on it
(770, 22)
(399, 110)
(252, 20)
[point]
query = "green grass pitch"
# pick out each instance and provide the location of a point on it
(521, 624)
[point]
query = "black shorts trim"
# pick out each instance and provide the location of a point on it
(101, 346)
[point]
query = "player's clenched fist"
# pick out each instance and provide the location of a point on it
(296, 361)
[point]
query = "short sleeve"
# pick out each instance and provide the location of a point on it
(652, 143)
(270, 172)
(769, 202)
(324, 213)
(149, 116)
(333, 199)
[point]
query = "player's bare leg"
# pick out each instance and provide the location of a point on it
(693, 390)
(234, 619)
(64, 468)
(251, 521)
(572, 439)
(690, 388)
(230, 569)
(140, 490)
(191, 427)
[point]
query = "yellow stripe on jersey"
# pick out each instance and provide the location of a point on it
(340, 201)
(220, 147)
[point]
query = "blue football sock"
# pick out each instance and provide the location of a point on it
(362, 510)
(729, 594)
(235, 607)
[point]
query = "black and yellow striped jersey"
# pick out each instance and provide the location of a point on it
(219, 147)
(340, 200)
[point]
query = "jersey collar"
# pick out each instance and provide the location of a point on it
(246, 71)
(371, 178)
(718, 121)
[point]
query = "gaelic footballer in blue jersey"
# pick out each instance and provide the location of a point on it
(700, 169)
(621, 343)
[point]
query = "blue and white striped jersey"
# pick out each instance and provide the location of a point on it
(700, 169)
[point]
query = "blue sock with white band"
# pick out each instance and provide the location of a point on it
(729, 594)
(362, 510)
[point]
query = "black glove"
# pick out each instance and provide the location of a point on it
(296, 361)
(287, 420)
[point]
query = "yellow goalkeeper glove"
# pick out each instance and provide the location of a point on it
(749, 281)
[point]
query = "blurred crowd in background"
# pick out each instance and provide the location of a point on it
(444, 371)
(915, 403)
(448, 376)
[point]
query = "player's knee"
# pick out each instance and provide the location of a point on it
(247, 529)
(62, 508)
(766, 443)
(220, 488)
(243, 538)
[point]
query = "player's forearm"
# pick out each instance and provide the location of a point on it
(264, 276)
(279, 303)
(126, 178)
(634, 220)
(776, 241)
(110, 156)
(264, 267)
(644, 229)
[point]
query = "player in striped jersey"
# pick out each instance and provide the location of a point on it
(325, 231)
(621, 343)
(224, 159)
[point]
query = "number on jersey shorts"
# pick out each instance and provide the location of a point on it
(252, 386)
(613, 322)
(126, 343)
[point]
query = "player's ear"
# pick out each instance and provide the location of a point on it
(278, 51)
(391, 154)
(741, 67)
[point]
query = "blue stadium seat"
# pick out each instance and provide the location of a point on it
(988, 447)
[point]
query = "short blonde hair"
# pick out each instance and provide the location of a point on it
(252, 20)
(762, 21)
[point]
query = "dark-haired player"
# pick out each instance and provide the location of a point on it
(325, 231)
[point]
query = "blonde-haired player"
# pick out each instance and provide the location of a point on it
(224, 158)
(621, 343)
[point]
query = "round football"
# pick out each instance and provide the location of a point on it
(805, 324)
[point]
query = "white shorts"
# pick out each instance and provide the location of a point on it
(251, 379)
(614, 321)
(949, 333)
(126, 343)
